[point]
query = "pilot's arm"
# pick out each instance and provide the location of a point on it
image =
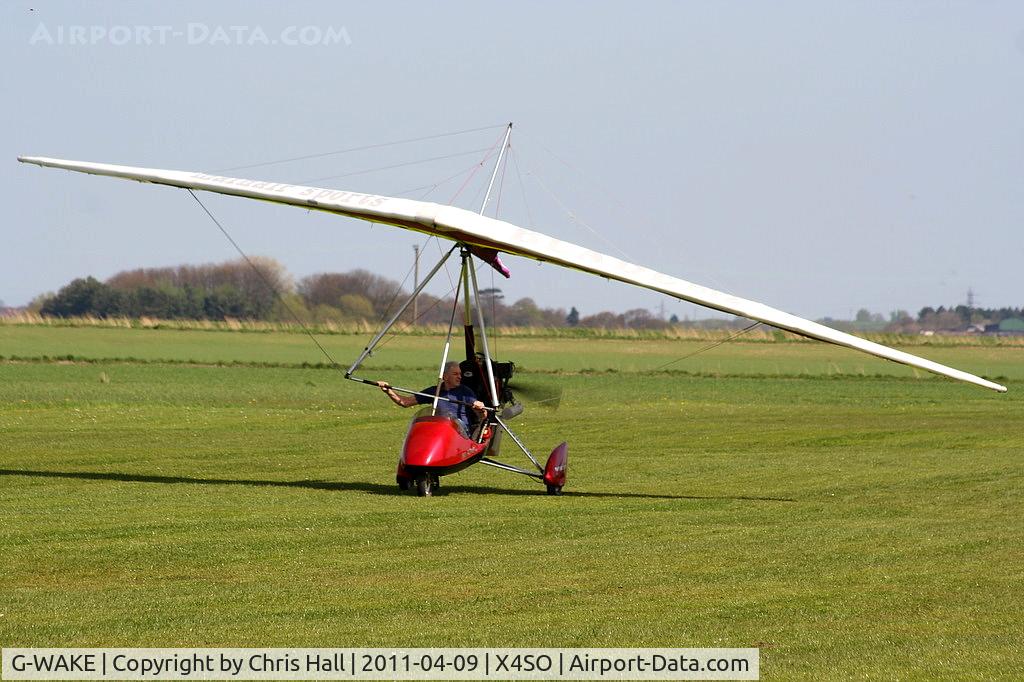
(400, 400)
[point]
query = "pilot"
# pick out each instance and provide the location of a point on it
(451, 387)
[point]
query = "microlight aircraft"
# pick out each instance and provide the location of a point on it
(436, 445)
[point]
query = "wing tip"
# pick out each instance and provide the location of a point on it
(985, 383)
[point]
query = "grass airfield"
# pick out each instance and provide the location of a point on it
(198, 488)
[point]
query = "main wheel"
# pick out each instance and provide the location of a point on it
(403, 482)
(554, 489)
(425, 485)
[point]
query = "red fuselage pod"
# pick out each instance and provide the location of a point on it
(557, 466)
(435, 444)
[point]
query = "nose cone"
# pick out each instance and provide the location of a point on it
(434, 442)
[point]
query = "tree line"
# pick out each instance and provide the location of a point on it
(956, 317)
(951, 319)
(227, 290)
(263, 290)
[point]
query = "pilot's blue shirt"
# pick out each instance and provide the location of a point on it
(460, 413)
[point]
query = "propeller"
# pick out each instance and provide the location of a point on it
(538, 394)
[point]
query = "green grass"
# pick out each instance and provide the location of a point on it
(851, 525)
(553, 354)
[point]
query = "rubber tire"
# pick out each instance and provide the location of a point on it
(403, 483)
(554, 490)
(425, 486)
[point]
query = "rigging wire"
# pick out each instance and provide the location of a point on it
(624, 212)
(574, 217)
(268, 283)
(570, 166)
(392, 166)
(447, 272)
(497, 214)
(716, 344)
(604, 191)
(476, 195)
(430, 188)
(396, 331)
(280, 297)
(398, 290)
(480, 165)
(453, 285)
(522, 186)
(359, 149)
(473, 168)
(501, 183)
(640, 374)
(453, 290)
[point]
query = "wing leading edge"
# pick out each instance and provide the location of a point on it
(458, 224)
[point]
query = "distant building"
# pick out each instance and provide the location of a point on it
(1011, 325)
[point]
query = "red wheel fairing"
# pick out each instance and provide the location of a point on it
(557, 466)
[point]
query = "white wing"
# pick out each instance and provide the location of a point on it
(464, 226)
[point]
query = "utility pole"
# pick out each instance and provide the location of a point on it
(416, 280)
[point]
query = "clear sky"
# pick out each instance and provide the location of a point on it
(818, 157)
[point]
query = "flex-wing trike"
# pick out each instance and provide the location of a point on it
(436, 444)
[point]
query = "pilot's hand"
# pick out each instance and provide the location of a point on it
(479, 406)
(384, 386)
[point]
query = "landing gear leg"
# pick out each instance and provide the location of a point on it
(425, 485)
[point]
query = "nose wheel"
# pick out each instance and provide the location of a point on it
(427, 485)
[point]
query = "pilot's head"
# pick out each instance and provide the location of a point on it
(452, 376)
